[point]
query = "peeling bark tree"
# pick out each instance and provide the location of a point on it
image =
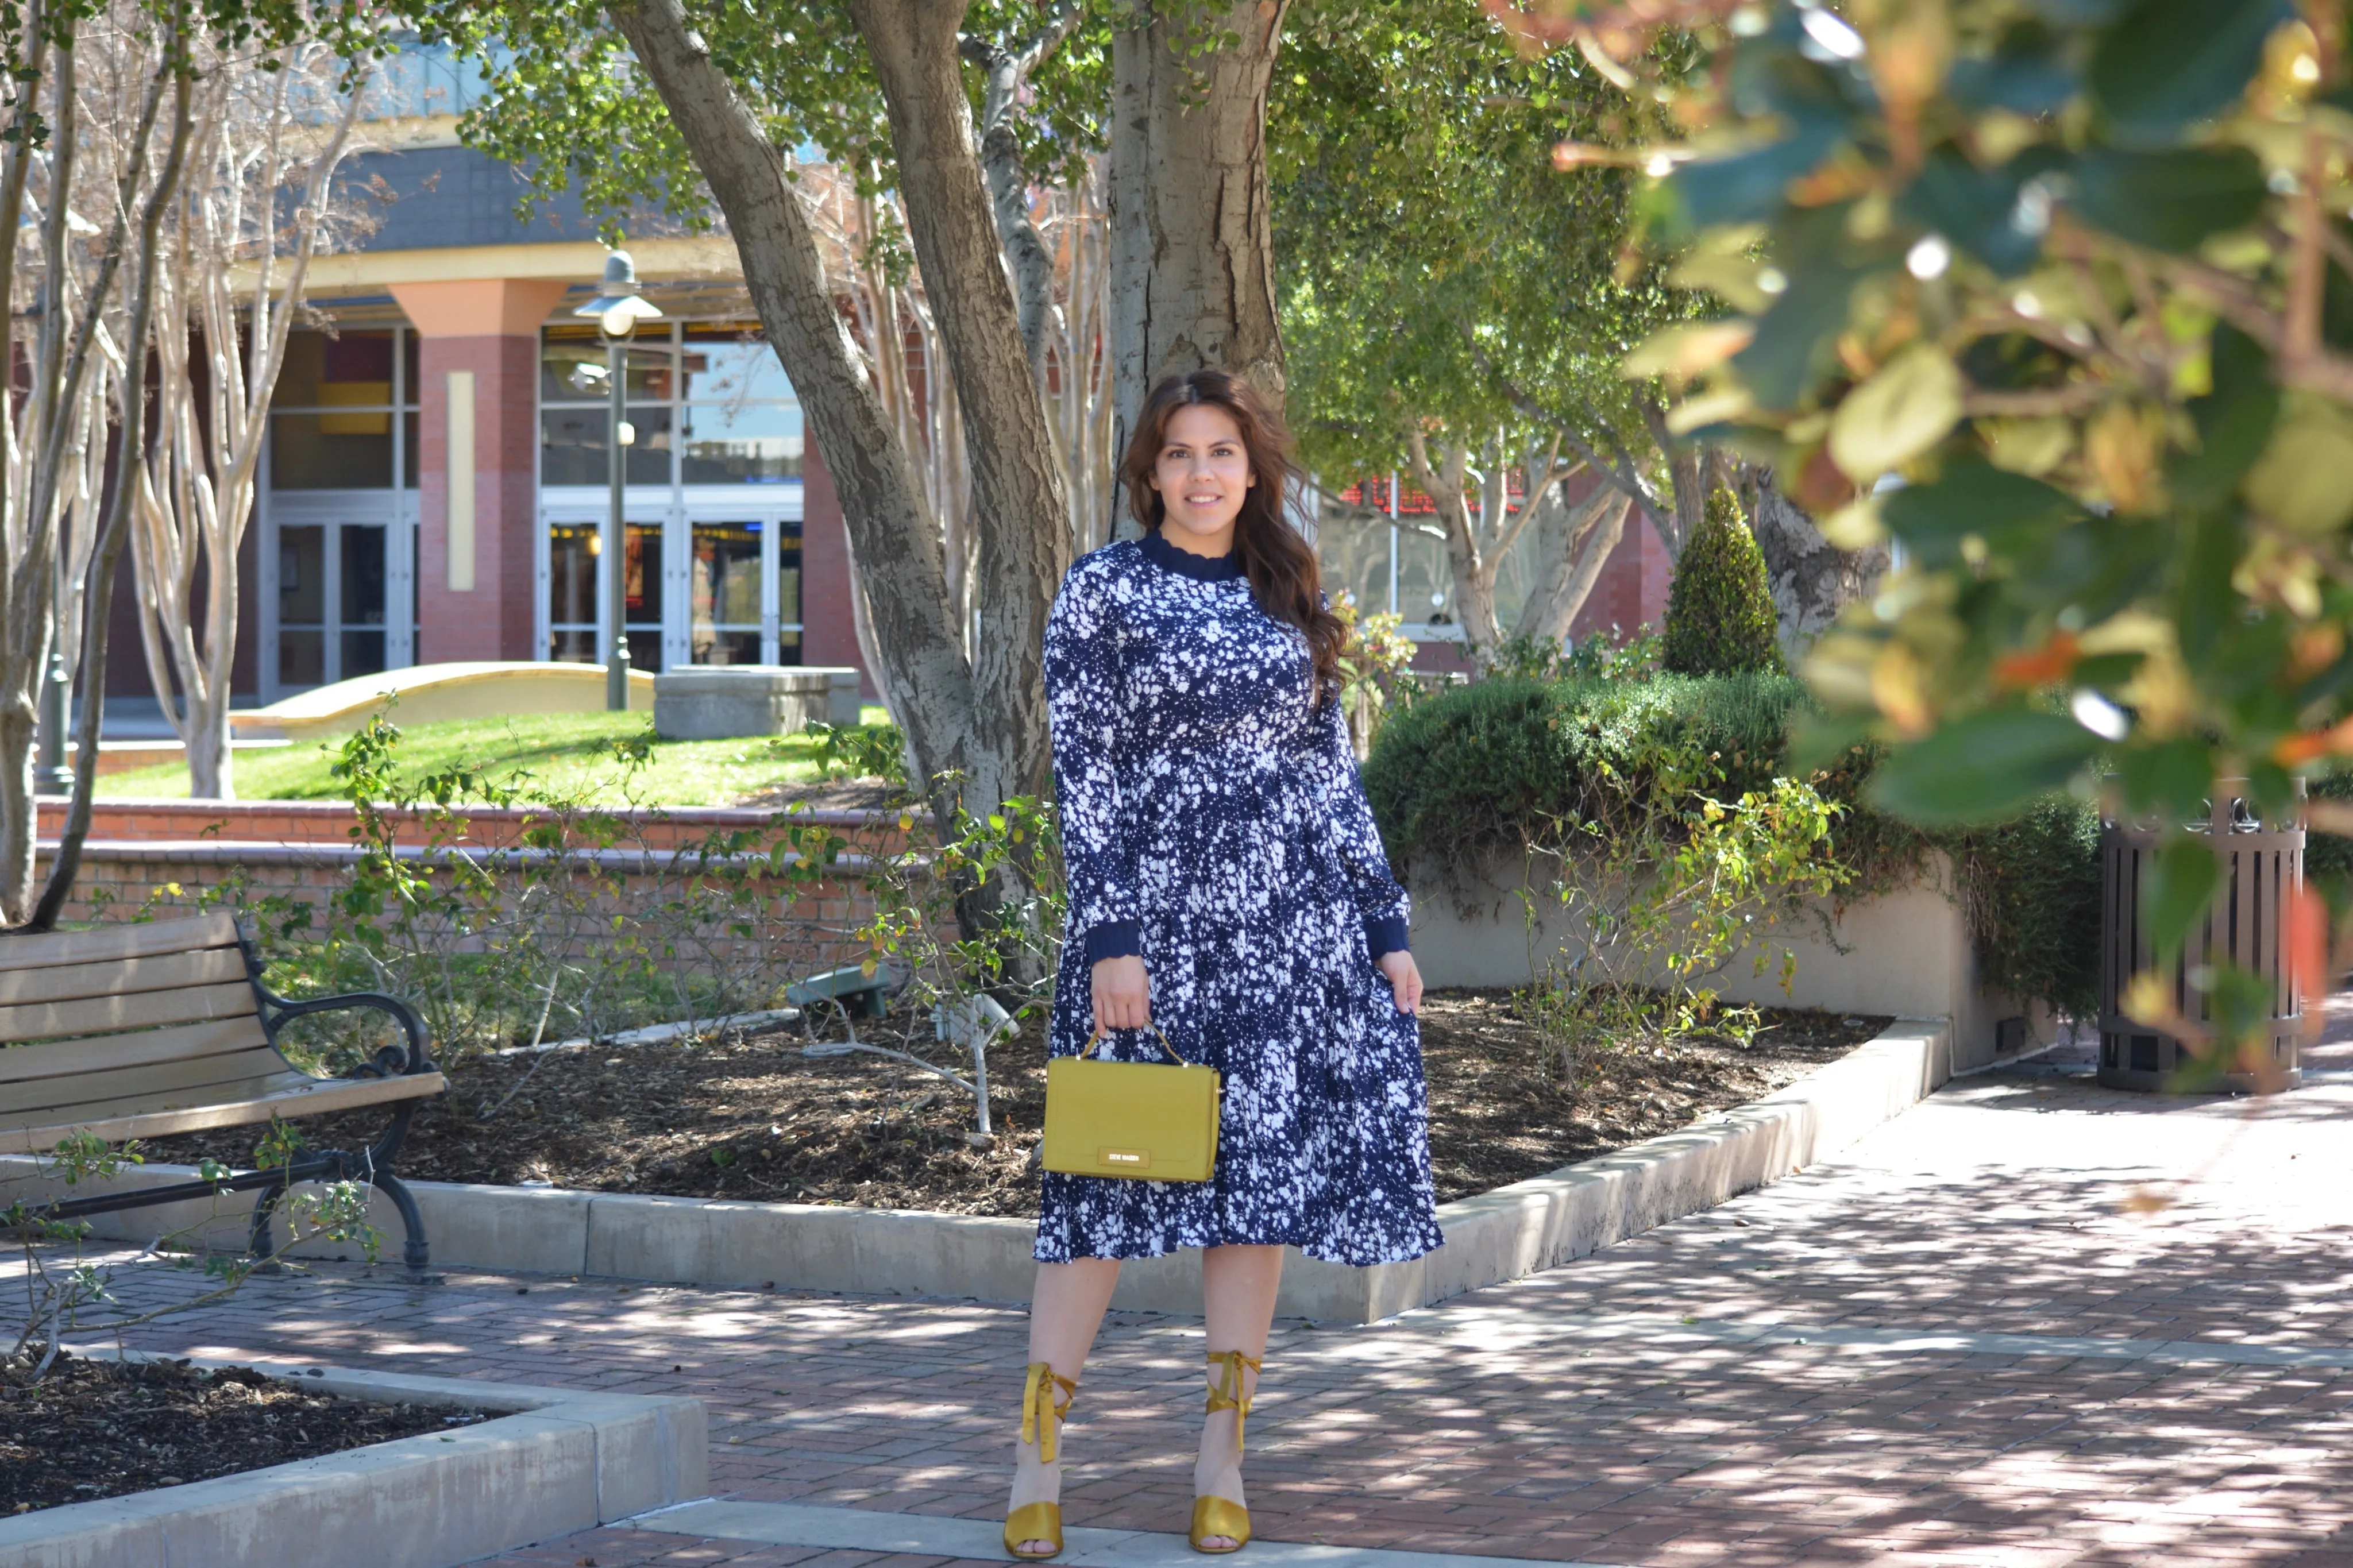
(218, 346)
(981, 719)
(1573, 544)
(1017, 483)
(1192, 262)
(56, 549)
(1813, 579)
(1026, 255)
(131, 440)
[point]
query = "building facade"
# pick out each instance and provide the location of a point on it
(435, 482)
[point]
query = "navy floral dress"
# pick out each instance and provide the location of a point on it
(1212, 822)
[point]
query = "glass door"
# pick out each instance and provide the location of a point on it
(785, 616)
(571, 590)
(723, 605)
(569, 586)
(742, 588)
(641, 595)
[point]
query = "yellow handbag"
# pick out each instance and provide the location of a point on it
(1131, 1118)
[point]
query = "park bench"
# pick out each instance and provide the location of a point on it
(143, 1031)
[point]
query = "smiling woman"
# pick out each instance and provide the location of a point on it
(1233, 906)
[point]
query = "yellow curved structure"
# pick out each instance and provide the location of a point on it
(431, 692)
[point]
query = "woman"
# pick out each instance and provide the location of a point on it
(1228, 887)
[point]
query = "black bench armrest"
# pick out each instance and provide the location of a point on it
(390, 1062)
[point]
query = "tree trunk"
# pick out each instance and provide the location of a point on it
(209, 777)
(1019, 502)
(30, 583)
(1192, 269)
(99, 581)
(1474, 569)
(1813, 579)
(1574, 545)
(896, 538)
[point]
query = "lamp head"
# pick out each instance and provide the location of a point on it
(619, 306)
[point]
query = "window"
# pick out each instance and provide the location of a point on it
(717, 579)
(338, 518)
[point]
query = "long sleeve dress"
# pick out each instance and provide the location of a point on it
(1212, 821)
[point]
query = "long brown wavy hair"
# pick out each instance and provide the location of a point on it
(1283, 575)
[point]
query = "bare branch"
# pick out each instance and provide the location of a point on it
(1027, 260)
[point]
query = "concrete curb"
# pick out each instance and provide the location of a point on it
(562, 1461)
(1494, 1237)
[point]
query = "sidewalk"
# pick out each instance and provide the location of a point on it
(1959, 1344)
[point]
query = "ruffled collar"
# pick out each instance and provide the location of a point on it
(1184, 563)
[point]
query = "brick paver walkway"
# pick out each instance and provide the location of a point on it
(1810, 1373)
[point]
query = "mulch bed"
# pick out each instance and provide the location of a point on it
(754, 1119)
(92, 1429)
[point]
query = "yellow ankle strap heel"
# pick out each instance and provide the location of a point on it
(1228, 1390)
(1046, 1401)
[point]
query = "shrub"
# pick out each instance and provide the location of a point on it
(2031, 889)
(1720, 615)
(1505, 767)
(1461, 775)
(2327, 857)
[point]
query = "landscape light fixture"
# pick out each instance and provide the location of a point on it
(616, 310)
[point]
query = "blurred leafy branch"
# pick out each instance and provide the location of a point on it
(2058, 295)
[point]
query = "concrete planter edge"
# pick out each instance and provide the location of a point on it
(1529, 1226)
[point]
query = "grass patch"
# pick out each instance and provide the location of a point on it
(561, 751)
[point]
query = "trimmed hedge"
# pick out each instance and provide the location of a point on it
(1475, 773)
(1471, 771)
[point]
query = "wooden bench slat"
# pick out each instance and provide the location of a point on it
(63, 1059)
(309, 1097)
(257, 1079)
(120, 976)
(178, 1080)
(144, 1009)
(117, 941)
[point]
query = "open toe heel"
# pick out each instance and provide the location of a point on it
(1217, 1516)
(1045, 1405)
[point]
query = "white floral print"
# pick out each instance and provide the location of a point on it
(1212, 821)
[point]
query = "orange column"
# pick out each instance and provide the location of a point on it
(478, 464)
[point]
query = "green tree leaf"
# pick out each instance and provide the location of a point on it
(2169, 201)
(2167, 63)
(1974, 497)
(1794, 337)
(1905, 409)
(1746, 185)
(2027, 73)
(1982, 769)
(2234, 420)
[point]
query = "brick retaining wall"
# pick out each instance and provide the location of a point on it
(330, 822)
(803, 924)
(169, 853)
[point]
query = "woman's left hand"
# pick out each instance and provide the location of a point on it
(1403, 978)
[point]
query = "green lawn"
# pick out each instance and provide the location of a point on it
(557, 750)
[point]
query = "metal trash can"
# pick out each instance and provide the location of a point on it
(2263, 868)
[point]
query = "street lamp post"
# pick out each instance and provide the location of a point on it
(50, 775)
(616, 310)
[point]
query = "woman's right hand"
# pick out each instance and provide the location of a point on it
(1121, 994)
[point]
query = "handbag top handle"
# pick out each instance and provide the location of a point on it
(1100, 1035)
